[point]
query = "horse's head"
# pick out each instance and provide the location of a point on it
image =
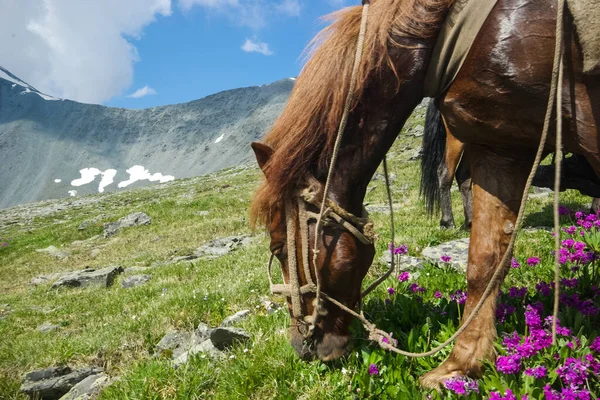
(344, 253)
(295, 157)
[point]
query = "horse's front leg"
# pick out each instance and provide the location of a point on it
(498, 184)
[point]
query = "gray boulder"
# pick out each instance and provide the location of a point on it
(135, 219)
(89, 277)
(224, 337)
(54, 382)
(135, 280)
(220, 247)
(238, 316)
(403, 262)
(47, 327)
(55, 252)
(457, 250)
(89, 388)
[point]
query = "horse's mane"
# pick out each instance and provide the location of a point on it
(304, 133)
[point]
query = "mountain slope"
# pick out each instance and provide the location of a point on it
(44, 143)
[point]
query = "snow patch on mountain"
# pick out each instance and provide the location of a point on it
(4, 74)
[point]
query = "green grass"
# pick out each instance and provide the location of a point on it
(118, 328)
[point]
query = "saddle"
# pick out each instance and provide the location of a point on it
(464, 21)
(586, 18)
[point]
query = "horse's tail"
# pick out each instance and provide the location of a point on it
(434, 149)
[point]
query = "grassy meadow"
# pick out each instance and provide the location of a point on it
(118, 328)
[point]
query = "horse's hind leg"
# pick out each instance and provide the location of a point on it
(596, 205)
(498, 184)
(446, 171)
(463, 179)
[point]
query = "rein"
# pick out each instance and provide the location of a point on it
(331, 214)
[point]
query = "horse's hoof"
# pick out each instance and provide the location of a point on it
(434, 379)
(447, 224)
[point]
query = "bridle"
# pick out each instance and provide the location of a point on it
(333, 216)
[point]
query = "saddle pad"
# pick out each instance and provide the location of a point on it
(586, 16)
(464, 20)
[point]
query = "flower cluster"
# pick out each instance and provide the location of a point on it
(462, 385)
(401, 250)
(459, 296)
(508, 395)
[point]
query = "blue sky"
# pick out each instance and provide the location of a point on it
(163, 51)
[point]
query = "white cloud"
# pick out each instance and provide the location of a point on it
(253, 14)
(289, 7)
(75, 49)
(141, 92)
(250, 46)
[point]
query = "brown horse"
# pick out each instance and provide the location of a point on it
(444, 160)
(496, 106)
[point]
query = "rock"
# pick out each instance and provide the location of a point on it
(95, 253)
(381, 208)
(403, 262)
(183, 258)
(202, 213)
(540, 193)
(175, 344)
(271, 307)
(220, 247)
(203, 331)
(224, 337)
(238, 316)
(416, 154)
(458, 250)
(135, 219)
(135, 280)
(89, 277)
(47, 327)
(92, 221)
(55, 252)
(54, 382)
(42, 279)
(136, 269)
(89, 388)
(418, 131)
(206, 347)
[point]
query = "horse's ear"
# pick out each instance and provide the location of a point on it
(262, 152)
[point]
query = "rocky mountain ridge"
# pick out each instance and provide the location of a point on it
(53, 148)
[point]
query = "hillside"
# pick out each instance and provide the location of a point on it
(127, 331)
(45, 142)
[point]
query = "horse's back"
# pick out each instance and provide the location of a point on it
(500, 95)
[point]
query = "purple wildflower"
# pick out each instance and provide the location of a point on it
(459, 296)
(533, 261)
(461, 385)
(391, 291)
(503, 311)
(532, 317)
(595, 346)
(404, 276)
(563, 210)
(401, 250)
(514, 263)
(373, 370)
(509, 364)
(537, 372)
(510, 342)
(516, 292)
(573, 372)
(416, 288)
(438, 294)
(544, 288)
(446, 258)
